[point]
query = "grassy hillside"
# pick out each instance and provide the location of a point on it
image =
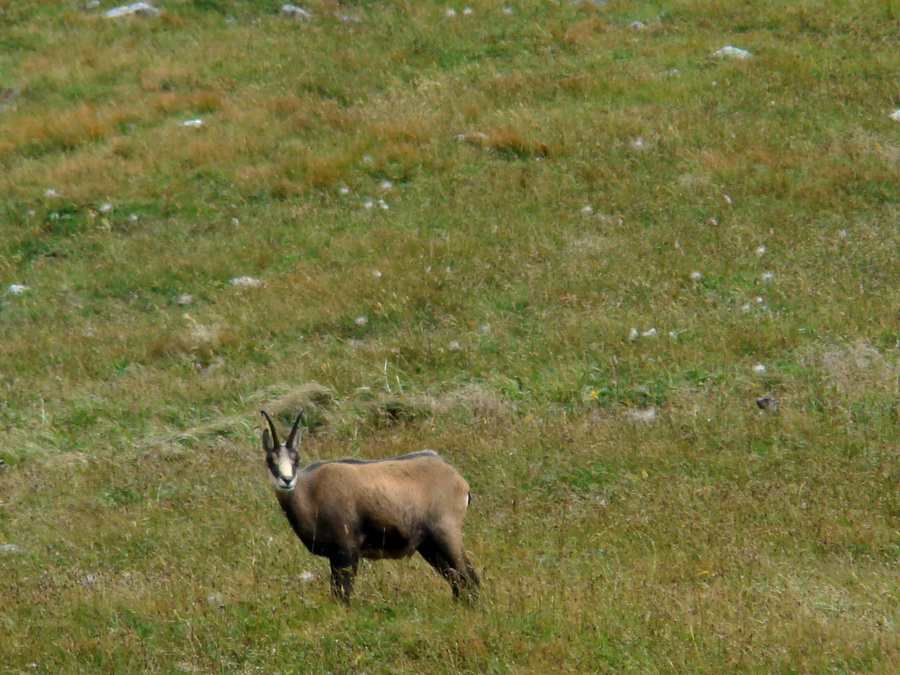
(565, 244)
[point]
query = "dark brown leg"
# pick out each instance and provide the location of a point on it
(343, 569)
(457, 570)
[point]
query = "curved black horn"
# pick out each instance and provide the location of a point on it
(272, 427)
(290, 440)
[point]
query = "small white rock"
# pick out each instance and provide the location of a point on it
(10, 548)
(134, 9)
(642, 414)
(467, 11)
(367, 159)
(895, 115)
(106, 207)
(637, 25)
(759, 368)
(16, 289)
(732, 52)
(245, 281)
(696, 275)
(344, 190)
(133, 217)
(767, 276)
(450, 12)
(454, 346)
(383, 205)
(386, 185)
(185, 299)
(638, 144)
(307, 576)
(507, 10)
(587, 209)
(293, 12)
(649, 333)
(50, 192)
(195, 123)
(633, 334)
(377, 274)
(760, 251)
(368, 205)
(360, 321)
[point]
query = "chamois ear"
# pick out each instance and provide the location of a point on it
(294, 437)
(269, 443)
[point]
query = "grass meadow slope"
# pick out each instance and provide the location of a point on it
(563, 243)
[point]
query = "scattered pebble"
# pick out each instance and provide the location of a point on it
(106, 207)
(767, 403)
(895, 115)
(50, 192)
(450, 12)
(386, 185)
(360, 321)
(344, 190)
(15, 289)
(649, 333)
(509, 10)
(696, 275)
(638, 144)
(759, 368)
(196, 123)
(11, 548)
(368, 204)
(383, 205)
(587, 209)
(642, 414)
(760, 251)
(185, 299)
(467, 11)
(767, 276)
(293, 12)
(377, 274)
(245, 281)
(727, 199)
(454, 346)
(134, 9)
(732, 52)
(633, 334)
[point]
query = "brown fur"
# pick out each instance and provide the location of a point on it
(347, 509)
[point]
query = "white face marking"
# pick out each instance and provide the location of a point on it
(283, 472)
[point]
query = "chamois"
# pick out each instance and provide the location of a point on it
(345, 509)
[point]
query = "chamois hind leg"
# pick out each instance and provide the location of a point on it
(343, 569)
(449, 559)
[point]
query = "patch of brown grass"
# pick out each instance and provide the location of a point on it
(82, 124)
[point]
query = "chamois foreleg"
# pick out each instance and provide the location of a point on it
(343, 570)
(447, 556)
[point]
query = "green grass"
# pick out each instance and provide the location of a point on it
(138, 532)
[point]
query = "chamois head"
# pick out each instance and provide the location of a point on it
(282, 459)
